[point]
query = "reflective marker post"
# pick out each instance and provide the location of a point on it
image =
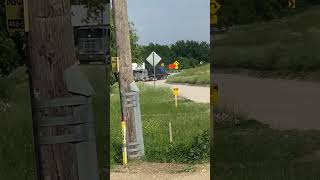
(124, 143)
(176, 100)
(170, 132)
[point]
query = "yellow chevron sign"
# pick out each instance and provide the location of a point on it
(214, 19)
(292, 4)
(214, 8)
(214, 94)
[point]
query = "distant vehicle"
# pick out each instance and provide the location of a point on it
(161, 73)
(90, 33)
(141, 75)
(90, 43)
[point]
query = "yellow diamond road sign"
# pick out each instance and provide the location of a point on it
(177, 64)
(15, 15)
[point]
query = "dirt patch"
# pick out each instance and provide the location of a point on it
(160, 171)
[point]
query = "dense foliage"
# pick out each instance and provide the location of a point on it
(249, 11)
(9, 58)
(279, 47)
(188, 53)
(136, 49)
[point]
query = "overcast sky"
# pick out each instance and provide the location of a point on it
(167, 21)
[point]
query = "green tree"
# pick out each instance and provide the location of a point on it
(198, 51)
(250, 11)
(163, 51)
(189, 53)
(9, 58)
(136, 49)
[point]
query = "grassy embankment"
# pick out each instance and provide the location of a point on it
(248, 150)
(16, 141)
(287, 46)
(190, 124)
(195, 76)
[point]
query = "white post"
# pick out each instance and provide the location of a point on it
(154, 70)
(170, 132)
(176, 100)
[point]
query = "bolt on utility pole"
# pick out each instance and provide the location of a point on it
(121, 26)
(64, 134)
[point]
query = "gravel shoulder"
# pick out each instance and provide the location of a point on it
(284, 104)
(197, 94)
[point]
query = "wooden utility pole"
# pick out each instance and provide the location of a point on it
(121, 24)
(213, 23)
(50, 51)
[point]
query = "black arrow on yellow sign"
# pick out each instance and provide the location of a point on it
(215, 6)
(292, 4)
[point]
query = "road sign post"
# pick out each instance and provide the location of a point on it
(154, 71)
(176, 93)
(154, 59)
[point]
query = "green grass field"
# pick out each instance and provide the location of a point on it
(157, 109)
(16, 141)
(286, 45)
(251, 150)
(196, 76)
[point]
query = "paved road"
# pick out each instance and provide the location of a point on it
(283, 104)
(194, 93)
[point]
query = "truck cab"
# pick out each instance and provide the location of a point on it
(161, 73)
(90, 43)
(91, 32)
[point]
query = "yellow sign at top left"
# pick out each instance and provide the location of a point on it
(214, 7)
(15, 15)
